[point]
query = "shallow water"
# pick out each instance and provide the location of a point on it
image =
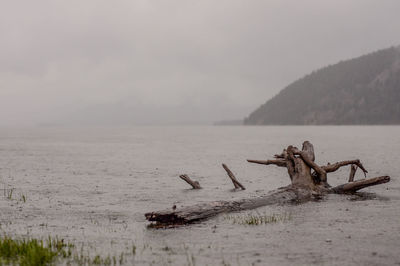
(93, 185)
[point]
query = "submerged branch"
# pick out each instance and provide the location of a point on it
(194, 184)
(235, 182)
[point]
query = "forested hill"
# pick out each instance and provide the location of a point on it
(364, 90)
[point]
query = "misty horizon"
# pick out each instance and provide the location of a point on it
(172, 63)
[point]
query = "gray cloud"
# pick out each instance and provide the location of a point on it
(220, 58)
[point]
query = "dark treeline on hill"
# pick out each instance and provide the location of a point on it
(364, 90)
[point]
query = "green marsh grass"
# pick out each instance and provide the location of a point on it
(34, 252)
(259, 219)
(31, 251)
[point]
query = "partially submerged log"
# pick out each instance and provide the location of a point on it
(202, 211)
(235, 182)
(194, 184)
(308, 181)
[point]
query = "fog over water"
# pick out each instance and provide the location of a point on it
(163, 62)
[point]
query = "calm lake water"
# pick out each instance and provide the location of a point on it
(92, 186)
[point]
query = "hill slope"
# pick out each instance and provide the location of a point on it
(364, 90)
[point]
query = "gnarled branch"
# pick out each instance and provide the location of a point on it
(309, 161)
(333, 167)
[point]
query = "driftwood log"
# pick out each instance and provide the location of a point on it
(308, 181)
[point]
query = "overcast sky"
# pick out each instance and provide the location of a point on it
(219, 59)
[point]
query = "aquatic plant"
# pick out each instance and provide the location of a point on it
(8, 193)
(259, 219)
(98, 260)
(31, 251)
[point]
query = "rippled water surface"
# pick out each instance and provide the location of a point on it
(92, 186)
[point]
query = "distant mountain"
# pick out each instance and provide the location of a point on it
(364, 90)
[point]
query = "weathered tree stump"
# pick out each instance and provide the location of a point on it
(308, 181)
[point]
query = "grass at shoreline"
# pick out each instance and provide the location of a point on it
(30, 252)
(26, 251)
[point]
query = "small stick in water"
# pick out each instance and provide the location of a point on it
(194, 184)
(232, 177)
(353, 170)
